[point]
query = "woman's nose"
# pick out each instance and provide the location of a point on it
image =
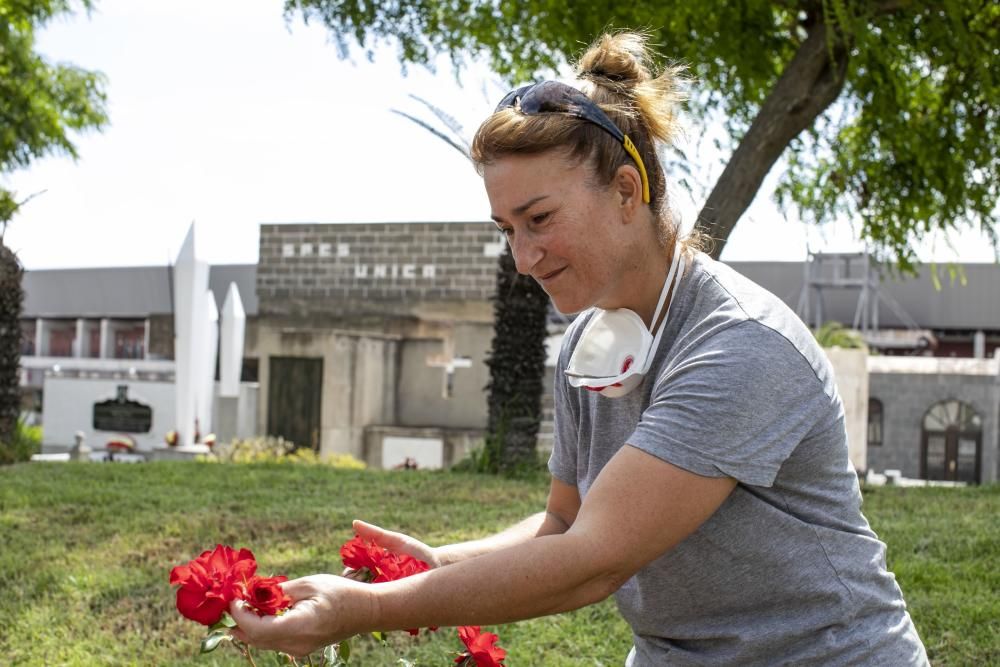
(526, 253)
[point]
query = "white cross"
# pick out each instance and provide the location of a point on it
(449, 362)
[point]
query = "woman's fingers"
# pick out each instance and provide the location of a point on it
(385, 538)
(395, 542)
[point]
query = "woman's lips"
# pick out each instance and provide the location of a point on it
(552, 275)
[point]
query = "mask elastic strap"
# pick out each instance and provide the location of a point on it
(676, 265)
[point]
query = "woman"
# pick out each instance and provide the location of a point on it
(700, 470)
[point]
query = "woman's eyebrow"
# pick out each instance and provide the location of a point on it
(523, 207)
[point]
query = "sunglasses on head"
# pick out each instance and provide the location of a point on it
(556, 97)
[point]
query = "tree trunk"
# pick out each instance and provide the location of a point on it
(810, 83)
(11, 297)
(517, 369)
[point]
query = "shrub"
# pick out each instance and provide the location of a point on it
(268, 449)
(25, 441)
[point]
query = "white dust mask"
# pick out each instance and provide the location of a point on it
(616, 349)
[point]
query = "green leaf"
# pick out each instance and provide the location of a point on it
(380, 636)
(212, 641)
(225, 622)
(344, 650)
(407, 663)
(330, 656)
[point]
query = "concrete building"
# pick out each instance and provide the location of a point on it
(370, 339)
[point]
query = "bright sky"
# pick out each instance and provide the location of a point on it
(224, 115)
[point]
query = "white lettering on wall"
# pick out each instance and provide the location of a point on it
(393, 271)
(372, 271)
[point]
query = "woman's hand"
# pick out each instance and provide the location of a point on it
(397, 543)
(327, 609)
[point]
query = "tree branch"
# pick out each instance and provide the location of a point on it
(809, 84)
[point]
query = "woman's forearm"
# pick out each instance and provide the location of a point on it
(541, 576)
(537, 525)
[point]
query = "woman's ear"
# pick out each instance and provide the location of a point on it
(628, 189)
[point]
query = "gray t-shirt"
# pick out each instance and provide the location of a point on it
(787, 570)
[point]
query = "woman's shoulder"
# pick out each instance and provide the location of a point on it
(727, 312)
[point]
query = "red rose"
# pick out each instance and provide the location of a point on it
(393, 567)
(360, 555)
(265, 595)
(481, 650)
(382, 565)
(211, 581)
(377, 565)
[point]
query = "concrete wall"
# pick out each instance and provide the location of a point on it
(909, 386)
(359, 377)
(850, 368)
(236, 417)
(420, 398)
(68, 407)
(453, 444)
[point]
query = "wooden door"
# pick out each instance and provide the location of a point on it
(294, 399)
(952, 455)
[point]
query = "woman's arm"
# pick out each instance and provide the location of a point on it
(638, 508)
(560, 512)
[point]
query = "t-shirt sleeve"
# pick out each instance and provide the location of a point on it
(735, 406)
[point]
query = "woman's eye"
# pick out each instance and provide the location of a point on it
(507, 231)
(539, 218)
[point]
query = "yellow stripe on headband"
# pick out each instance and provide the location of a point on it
(631, 150)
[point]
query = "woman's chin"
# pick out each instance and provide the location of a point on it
(567, 305)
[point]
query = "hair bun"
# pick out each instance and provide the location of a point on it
(620, 58)
(622, 69)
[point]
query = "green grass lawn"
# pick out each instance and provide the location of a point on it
(85, 551)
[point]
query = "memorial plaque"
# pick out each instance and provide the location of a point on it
(123, 415)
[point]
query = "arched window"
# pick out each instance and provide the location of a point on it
(874, 422)
(951, 445)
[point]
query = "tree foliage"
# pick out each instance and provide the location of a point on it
(11, 296)
(885, 110)
(834, 334)
(40, 102)
(40, 105)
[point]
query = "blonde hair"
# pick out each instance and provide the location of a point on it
(621, 78)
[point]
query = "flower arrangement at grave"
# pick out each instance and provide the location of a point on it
(120, 444)
(208, 584)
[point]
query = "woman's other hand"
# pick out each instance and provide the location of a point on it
(397, 543)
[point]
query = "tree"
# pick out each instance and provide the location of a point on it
(833, 334)
(517, 366)
(886, 110)
(40, 104)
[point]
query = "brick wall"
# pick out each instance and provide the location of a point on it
(308, 269)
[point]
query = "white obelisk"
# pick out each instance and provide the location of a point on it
(234, 321)
(190, 286)
(208, 350)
